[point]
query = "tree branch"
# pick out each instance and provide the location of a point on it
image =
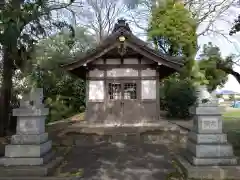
(229, 71)
(35, 16)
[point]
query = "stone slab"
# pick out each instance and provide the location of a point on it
(206, 110)
(31, 125)
(210, 150)
(27, 161)
(207, 124)
(27, 150)
(208, 172)
(40, 178)
(33, 111)
(30, 172)
(208, 161)
(29, 138)
(207, 138)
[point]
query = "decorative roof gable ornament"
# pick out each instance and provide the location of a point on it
(122, 49)
(121, 24)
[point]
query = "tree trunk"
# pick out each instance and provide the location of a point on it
(6, 89)
(229, 71)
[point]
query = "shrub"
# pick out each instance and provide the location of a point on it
(60, 109)
(231, 97)
(178, 96)
(163, 104)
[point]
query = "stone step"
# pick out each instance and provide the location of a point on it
(40, 178)
(207, 138)
(31, 171)
(24, 161)
(210, 150)
(209, 171)
(210, 161)
(29, 138)
(33, 150)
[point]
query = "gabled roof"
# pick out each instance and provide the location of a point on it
(131, 41)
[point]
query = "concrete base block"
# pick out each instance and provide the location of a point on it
(210, 150)
(25, 161)
(207, 138)
(38, 178)
(208, 172)
(30, 112)
(27, 150)
(203, 110)
(207, 124)
(18, 172)
(208, 161)
(29, 139)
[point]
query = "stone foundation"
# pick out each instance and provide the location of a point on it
(208, 150)
(209, 172)
(151, 135)
(30, 146)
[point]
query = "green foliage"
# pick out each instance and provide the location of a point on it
(198, 75)
(219, 95)
(236, 27)
(210, 56)
(173, 30)
(23, 23)
(178, 174)
(231, 97)
(178, 95)
(64, 94)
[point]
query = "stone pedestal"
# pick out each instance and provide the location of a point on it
(30, 146)
(208, 154)
(207, 144)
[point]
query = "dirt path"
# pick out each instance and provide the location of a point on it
(118, 161)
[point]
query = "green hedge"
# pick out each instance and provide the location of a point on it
(177, 96)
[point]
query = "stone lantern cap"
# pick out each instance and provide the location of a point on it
(31, 104)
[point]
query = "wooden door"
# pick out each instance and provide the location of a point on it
(131, 106)
(114, 102)
(123, 105)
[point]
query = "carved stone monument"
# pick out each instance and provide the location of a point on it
(207, 146)
(30, 144)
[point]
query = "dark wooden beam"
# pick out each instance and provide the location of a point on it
(122, 78)
(113, 66)
(117, 56)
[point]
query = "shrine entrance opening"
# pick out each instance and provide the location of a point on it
(123, 100)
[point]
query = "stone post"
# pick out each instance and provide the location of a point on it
(207, 144)
(30, 145)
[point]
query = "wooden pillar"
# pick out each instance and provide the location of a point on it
(157, 95)
(87, 95)
(105, 88)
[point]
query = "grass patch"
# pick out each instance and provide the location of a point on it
(231, 120)
(232, 114)
(78, 117)
(231, 126)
